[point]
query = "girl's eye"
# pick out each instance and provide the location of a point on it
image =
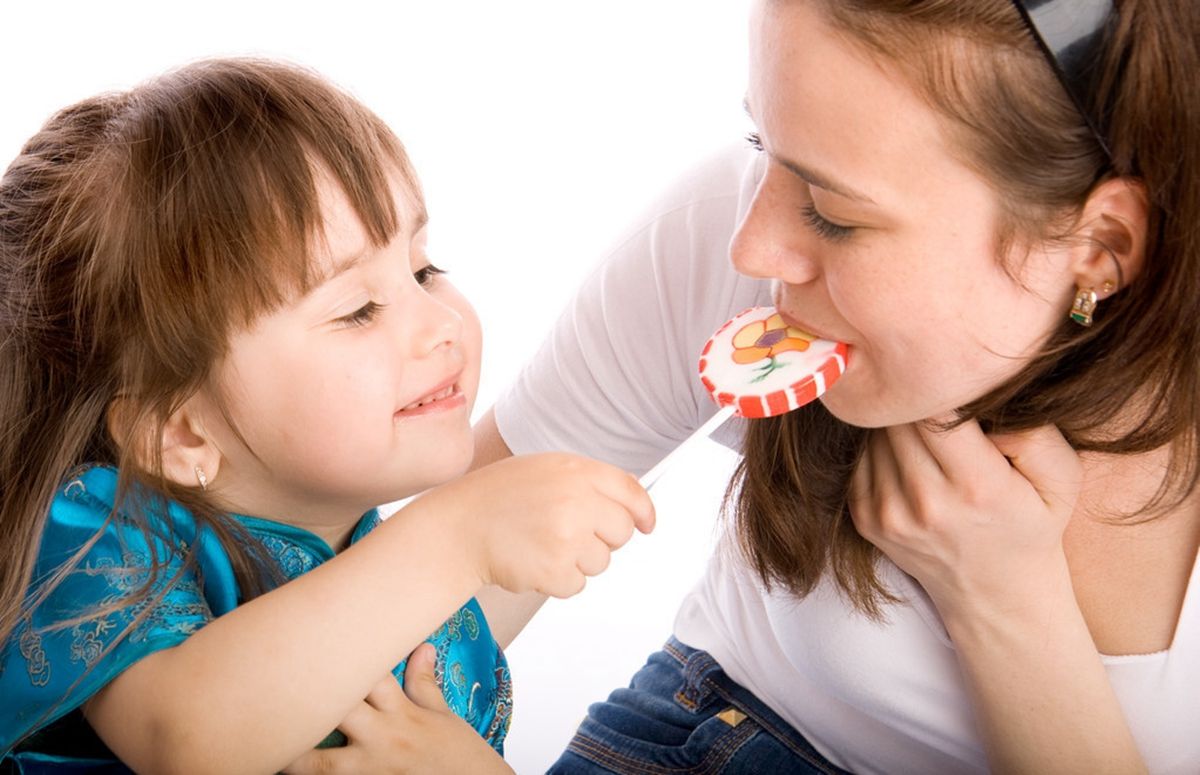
(825, 229)
(755, 141)
(363, 315)
(425, 275)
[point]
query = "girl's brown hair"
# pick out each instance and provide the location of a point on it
(138, 230)
(976, 63)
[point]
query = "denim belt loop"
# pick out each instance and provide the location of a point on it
(695, 691)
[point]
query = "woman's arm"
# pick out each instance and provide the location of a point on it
(255, 688)
(979, 522)
(1040, 692)
(407, 731)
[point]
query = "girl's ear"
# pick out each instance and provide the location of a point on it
(189, 456)
(1115, 222)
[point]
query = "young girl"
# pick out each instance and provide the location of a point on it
(222, 344)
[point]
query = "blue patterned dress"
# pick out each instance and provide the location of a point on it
(48, 672)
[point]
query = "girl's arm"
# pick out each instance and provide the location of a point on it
(254, 689)
(979, 522)
(507, 612)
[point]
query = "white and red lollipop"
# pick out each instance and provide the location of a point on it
(756, 366)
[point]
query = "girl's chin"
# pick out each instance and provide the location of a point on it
(434, 473)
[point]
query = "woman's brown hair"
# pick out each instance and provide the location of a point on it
(138, 230)
(976, 63)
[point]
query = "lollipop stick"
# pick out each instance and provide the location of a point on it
(714, 422)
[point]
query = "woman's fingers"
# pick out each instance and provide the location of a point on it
(1045, 459)
(420, 684)
(876, 489)
(386, 695)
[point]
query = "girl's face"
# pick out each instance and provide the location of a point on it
(875, 235)
(358, 393)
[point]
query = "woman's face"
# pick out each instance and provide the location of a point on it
(358, 393)
(875, 235)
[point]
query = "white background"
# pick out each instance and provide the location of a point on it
(540, 128)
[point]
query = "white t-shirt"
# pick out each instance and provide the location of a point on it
(619, 372)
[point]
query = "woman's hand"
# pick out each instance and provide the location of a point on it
(543, 522)
(406, 731)
(978, 520)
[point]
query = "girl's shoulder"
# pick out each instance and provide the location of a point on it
(110, 586)
(84, 516)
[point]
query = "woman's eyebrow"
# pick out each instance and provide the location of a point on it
(813, 177)
(819, 180)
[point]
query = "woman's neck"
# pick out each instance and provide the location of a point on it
(1127, 487)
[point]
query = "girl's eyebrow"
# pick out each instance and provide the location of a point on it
(812, 177)
(419, 220)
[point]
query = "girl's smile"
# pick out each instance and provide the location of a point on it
(445, 399)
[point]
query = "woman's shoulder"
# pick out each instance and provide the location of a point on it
(702, 205)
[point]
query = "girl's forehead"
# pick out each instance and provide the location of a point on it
(342, 239)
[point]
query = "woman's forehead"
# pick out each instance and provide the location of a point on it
(829, 106)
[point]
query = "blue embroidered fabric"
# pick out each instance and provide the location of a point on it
(48, 670)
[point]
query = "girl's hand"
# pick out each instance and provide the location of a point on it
(978, 520)
(409, 731)
(544, 522)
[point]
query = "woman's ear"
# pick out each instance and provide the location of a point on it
(1114, 225)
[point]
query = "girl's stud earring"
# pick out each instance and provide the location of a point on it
(1108, 287)
(201, 478)
(1084, 306)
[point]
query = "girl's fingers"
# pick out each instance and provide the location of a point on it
(624, 488)
(593, 559)
(614, 530)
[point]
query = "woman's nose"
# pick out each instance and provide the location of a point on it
(769, 242)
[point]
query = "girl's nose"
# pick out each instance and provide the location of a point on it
(437, 325)
(770, 241)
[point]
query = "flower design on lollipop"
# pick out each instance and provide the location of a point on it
(767, 339)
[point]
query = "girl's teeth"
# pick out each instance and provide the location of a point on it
(446, 393)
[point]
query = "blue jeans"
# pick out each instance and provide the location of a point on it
(682, 714)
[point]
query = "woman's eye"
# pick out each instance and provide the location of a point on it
(363, 315)
(824, 228)
(425, 275)
(755, 141)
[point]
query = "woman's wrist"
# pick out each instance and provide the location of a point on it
(1038, 599)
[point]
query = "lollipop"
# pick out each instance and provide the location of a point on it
(756, 366)
(763, 367)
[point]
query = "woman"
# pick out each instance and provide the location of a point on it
(973, 554)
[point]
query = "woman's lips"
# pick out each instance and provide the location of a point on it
(792, 322)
